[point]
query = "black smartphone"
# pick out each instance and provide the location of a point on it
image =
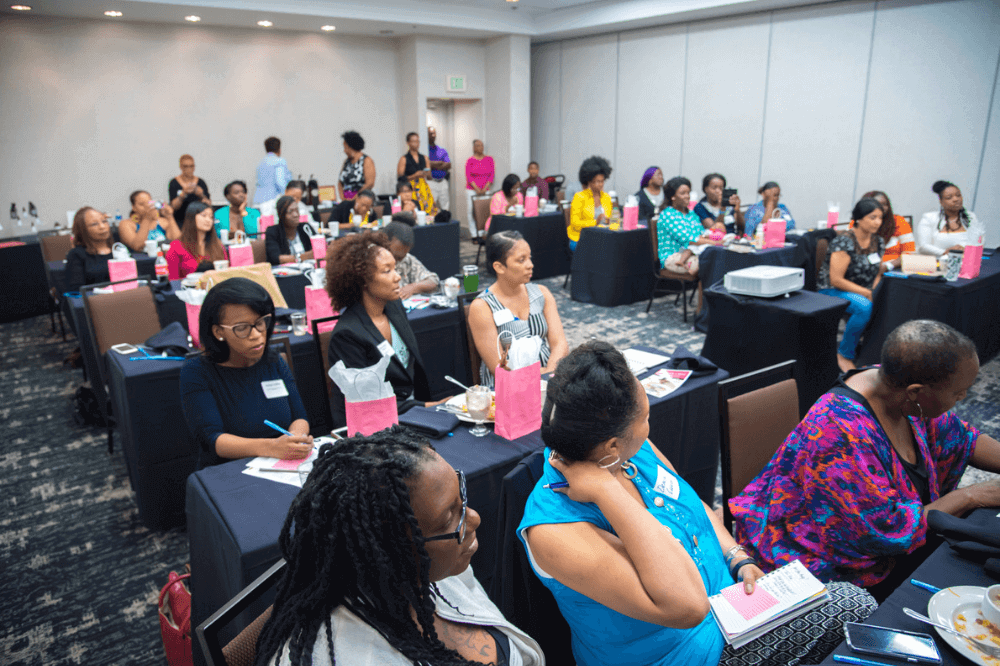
(892, 643)
(727, 193)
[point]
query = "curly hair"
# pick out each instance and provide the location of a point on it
(351, 539)
(353, 140)
(593, 167)
(350, 263)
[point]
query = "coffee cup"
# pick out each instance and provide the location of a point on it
(518, 210)
(221, 264)
(991, 606)
(421, 218)
(152, 247)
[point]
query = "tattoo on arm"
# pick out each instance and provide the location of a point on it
(467, 639)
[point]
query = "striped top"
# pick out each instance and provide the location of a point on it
(519, 328)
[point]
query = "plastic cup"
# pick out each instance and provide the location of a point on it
(356, 220)
(470, 278)
(298, 323)
(421, 218)
(152, 247)
(224, 235)
(221, 264)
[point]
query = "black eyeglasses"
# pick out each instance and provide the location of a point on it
(459, 534)
(243, 330)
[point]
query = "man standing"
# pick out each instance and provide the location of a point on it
(272, 172)
(440, 169)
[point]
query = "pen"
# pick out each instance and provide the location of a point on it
(855, 660)
(278, 428)
(157, 358)
(929, 588)
(557, 484)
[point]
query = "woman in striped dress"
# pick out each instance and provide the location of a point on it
(516, 306)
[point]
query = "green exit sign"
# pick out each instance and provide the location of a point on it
(455, 83)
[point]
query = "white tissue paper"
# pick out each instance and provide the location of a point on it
(531, 192)
(523, 352)
(363, 384)
(631, 200)
(192, 296)
(120, 252)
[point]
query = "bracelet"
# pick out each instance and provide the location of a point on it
(732, 552)
(734, 572)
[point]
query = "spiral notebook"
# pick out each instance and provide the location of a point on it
(779, 596)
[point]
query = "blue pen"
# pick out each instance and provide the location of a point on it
(557, 484)
(929, 588)
(278, 428)
(856, 660)
(157, 358)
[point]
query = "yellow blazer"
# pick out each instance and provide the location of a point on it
(581, 212)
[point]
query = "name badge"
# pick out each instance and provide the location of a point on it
(274, 388)
(666, 484)
(873, 258)
(385, 348)
(502, 317)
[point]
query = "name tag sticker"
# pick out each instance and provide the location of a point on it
(502, 317)
(274, 388)
(666, 484)
(385, 348)
(873, 258)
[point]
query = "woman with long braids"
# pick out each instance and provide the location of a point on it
(377, 546)
(947, 228)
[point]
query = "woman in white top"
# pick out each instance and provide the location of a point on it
(377, 545)
(948, 228)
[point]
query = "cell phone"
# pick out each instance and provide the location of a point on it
(726, 194)
(124, 348)
(884, 642)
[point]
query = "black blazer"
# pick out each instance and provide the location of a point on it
(276, 242)
(647, 210)
(355, 341)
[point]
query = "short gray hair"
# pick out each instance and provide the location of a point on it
(401, 232)
(923, 351)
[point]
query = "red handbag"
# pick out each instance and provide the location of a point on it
(175, 620)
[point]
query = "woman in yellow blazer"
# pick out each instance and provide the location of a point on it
(584, 211)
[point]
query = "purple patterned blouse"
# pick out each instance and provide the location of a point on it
(836, 496)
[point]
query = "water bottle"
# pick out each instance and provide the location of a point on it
(24, 215)
(160, 267)
(118, 217)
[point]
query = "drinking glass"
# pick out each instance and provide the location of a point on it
(298, 323)
(304, 470)
(477, 401)
(470, 278)
(450, 287)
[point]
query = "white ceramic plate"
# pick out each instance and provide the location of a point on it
(191, 281)
(285, 271)
(958, 607)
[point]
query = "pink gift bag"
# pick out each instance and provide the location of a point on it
(303, 218)
(367, 418)
(531, 206)
(240, 255)
(396, 206)
(831, 218)
(774, 233)
(264, 223)
(317, 307)
(125, 269)
(193, 312)
(519, 401)
(630, 218)
(972, 260)
(319, 250)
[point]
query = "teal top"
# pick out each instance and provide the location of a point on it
(398, 346)
(249, 222)
(605, 636)
(676, 230)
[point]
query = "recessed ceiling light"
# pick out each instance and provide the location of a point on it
(21, 8)
(328, 28)
(264, 24)
(112, 12)
(192, 18)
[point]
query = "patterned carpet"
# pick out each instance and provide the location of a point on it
(81, 574)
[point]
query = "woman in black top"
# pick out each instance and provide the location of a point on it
(413, 168)
(187, 188)
(289, 240)
(358, 172)
(87, 262)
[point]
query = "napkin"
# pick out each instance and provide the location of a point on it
(173, 340)
(983, 528)
(682, 359)
(428, 421)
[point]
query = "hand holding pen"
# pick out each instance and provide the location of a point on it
(289, 446)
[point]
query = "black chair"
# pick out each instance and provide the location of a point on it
(665, 277)
(55, 246)
(242, 650)
(757, 411)
(464, 303)
(283, 346)
(515, 588)
(322, 341)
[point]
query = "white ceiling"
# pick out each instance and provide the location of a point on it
(542, 20)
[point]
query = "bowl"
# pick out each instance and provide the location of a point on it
(991, 605)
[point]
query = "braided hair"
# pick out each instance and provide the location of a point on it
(351, 538)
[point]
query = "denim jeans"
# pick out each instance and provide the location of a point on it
(860, 311)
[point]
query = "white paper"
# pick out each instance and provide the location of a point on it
(640, 361)
(665, 381)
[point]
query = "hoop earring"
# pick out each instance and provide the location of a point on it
(609, 465)
(920, 408)
(629, 469)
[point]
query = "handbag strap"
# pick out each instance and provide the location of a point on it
(170, 585)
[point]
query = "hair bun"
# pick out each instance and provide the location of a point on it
(940, 186)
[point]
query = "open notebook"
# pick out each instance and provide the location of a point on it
(779, 596)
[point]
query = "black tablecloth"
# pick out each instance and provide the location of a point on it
(145, 265)
(971, 306)
(715, 262)
(436, 246)
(612, 267)
(25, 289)
(750, 333)
(546, 234)
(942, 569)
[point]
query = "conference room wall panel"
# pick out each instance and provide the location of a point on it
(985, 199)
(545, 106)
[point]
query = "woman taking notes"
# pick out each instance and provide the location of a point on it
(592, 205)
(629, 551)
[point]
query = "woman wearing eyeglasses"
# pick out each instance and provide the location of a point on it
(238, 382)
(377, 546)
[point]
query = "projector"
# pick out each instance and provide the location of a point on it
(765, 281)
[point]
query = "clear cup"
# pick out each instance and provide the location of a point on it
(478, 400)
(451, 288)
(421, 218)
(356, 220)
(152, 247)
(298, 323)
(470, 278)
(221, 264)
(224, 236)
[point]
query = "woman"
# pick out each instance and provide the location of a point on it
(361, 279)
(236, 216)
(404, 191)
(852, 270)
(514, 305)
(508, 196)
(764, 210)
(678, 227)
(895, 231)
(145, 224)
(238, 381)
(650, 194)
(591, 205)
(627, 549)
(185, 189)
(480, 172)
(289, 240)
(87, 262)
(947, 228)
(712, 211)
(540, 184)
(377, 547)
(198, 245)
(413, 167)
(872, 457)
(358, 172)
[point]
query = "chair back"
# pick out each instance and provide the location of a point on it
(241, 650)
(480, 212)
(259, 249)
(123, 316)
(322, 341)
(515, 588)
(822, 247)
(55, 246)
(283, 347)
(465, 303)
(566, 213)
(757, 412)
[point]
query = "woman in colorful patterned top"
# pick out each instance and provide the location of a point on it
(849, 489)
(765, 209)
(679, 227)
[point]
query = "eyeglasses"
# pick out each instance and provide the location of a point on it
(458, 534)
(243, 330)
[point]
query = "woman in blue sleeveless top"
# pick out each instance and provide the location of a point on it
(629, 551)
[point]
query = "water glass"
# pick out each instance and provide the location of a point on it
(152, 247)
(304, 470)
(470, 278)
(298, 323)
(478, 400)
(451, 287)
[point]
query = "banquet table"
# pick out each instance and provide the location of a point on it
(970, 306)
(144, 265)
(546, 235)
(943, 568)
(22, 274)
(612, 267)
(749, 333)
(436, 246)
